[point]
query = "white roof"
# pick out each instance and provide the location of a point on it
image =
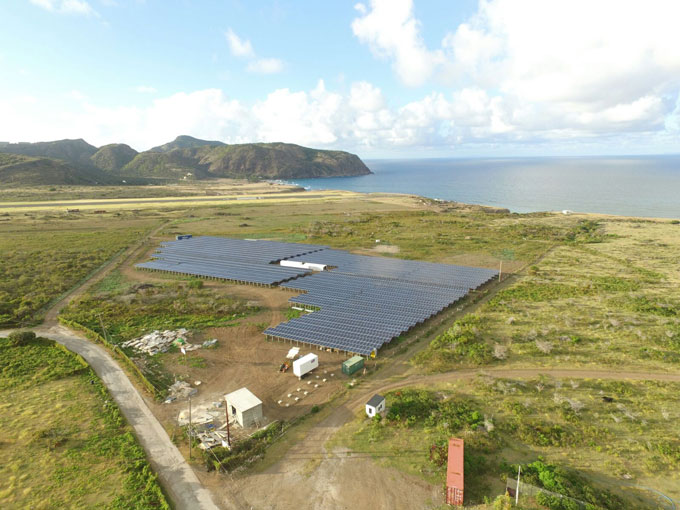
(306, 358)
(242, 399)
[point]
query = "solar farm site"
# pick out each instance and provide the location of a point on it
(358, 303)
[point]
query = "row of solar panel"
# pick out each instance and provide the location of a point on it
(336, 279)
(427, 272)
(256, 274)
(213, 263)
(395, 293)
(253, 250)
(330, 282)
(397, 304)
(336, 340)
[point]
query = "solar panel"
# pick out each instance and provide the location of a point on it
(362, 303)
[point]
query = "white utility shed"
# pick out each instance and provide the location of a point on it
(245, 407)
(375, 405)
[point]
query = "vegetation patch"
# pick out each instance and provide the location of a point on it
(565, 482)
(560, 431)
(65, 443)
(40, 261)
(129, 310)
(462, 343)
(243, 453)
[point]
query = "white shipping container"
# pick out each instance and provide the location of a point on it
(292, 263)
(305, 364)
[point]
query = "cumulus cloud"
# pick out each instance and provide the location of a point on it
(243, 48)
(265, 66)
(391, 31)
(66, 6)
(239, 47)
(554, 66)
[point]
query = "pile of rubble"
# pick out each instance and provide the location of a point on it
(160, 341)
(180, 390)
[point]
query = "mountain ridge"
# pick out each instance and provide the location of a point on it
(185, 158)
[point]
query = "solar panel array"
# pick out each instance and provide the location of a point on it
(363, 302)
(359, 312)
(405, 270)
(239, 260)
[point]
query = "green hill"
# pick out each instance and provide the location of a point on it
(251, 160)
(185, 142)
(113, 157)
(17, 170)
(78, 162)
(77, 151)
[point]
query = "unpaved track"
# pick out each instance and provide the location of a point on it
(53, 312)
(311, 477)
(176, 476)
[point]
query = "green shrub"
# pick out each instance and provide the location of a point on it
(19, 338)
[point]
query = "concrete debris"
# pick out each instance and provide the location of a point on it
(201, 415)
(181, 390)
(160, 341)
(212, 438)
(209, 343)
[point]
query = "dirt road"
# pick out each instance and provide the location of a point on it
(176, 476)
(52, 313)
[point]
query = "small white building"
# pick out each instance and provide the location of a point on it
(375, 405)
(245, 407)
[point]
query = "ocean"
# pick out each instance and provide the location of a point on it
(646, 186)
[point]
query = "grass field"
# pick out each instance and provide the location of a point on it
(613, 303)
(618, 444)
(42, 256)
(65, 444)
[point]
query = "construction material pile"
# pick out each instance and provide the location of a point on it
(160, 341)
(180, 390)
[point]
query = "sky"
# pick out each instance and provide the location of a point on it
(381, 78)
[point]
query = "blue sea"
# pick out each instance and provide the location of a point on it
(623, 185)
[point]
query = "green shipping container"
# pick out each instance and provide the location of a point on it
(352, 365)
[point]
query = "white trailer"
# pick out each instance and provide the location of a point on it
(305, 364)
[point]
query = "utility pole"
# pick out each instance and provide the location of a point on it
(500, 271)
(226, 411)
(519, 469)
(189, 427)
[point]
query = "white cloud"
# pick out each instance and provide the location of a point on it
(66, 6)
(530, 69)
(244, 49)
(359, 120)
(392, 31)
(265, 66)
(239, 47)
(365, 96)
